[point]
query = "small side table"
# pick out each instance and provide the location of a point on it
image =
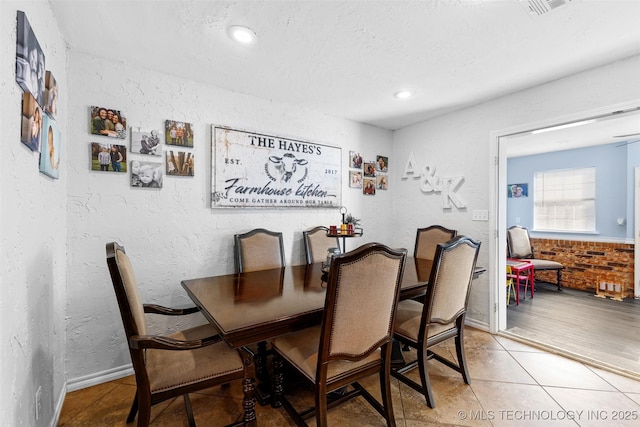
(357, 232)
(522, 270)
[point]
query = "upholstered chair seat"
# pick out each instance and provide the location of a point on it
(354, 339)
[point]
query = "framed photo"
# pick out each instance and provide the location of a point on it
(369, 169)
(381, 182)
(30, 65)
(143, 142)
(382, 164)
(178, 133)
(107, 122)
(180, 163)
(355, 160)
(31, 122)
(146, 174)
(50, 95)
(355, 179)
(369, 186)
(50, 152)
(108, 157)
(517, 190)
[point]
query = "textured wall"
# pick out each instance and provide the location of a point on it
(458, 144)
(172, 234)
(33, 211)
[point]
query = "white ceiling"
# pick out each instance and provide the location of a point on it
(347, 58)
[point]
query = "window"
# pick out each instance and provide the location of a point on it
(565, 200)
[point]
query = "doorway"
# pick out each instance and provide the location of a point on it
(501, 150)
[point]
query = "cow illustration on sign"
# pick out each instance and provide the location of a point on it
(286, 167)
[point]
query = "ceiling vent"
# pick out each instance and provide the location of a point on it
(542, 7)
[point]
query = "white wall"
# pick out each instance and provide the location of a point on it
(459, 144)
(33, 212)
(172, 234)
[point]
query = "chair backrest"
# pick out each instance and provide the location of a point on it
(259, 249)
(131, 308)
(450, 282)
(126, 289)
(427, 240)
(352, 329)
(316, 244)
(519, 242)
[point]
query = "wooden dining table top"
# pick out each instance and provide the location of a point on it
(250, 307)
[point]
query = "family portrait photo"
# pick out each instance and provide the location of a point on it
(382, 164)
(355, 160)
(381, 180)
(143, 142)
(30, 65)
(108, 157)
(50, 95)
(369, 186)
(146, 174)
(355, 179)
(369, 169)
(31, 122)
(517, 190)
(180, 163)
(108, 122)
(50, 152)
(178, 133)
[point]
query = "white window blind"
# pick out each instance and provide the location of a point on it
(565, 200)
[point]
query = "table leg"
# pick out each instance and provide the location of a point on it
(277, 389)
(263, 390)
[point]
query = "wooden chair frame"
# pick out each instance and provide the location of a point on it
(138, 344)
(239, 240)
(382, 366)
(446, 234)
(424, 343)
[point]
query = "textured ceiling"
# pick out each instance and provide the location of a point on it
(347, 58)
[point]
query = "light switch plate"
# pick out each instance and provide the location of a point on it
(480, 215)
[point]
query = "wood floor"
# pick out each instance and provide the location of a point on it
(577, 322)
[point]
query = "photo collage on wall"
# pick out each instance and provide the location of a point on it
(147, 169)
(368, 176)
(39, 131)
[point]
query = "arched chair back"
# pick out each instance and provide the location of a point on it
(317, 243)
(440, 317)
(354, 339)
(259, 249)
(427, 240)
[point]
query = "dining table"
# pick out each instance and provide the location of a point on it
(253, 307)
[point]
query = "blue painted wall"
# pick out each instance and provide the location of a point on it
(614, 186)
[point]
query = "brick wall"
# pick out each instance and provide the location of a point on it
(588, 263)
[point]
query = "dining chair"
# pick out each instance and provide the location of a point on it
(317, 243)
(519, 246)
(428, 238)
(259, 249)
(440, 317)
(175, 364)
(354, 339)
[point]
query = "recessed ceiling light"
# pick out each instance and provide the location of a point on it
(242, 34)
(403, 94)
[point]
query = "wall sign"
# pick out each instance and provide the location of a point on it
(447, 187)
(255, 170)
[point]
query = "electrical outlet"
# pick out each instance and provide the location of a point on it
(480, 215)
(38, 402)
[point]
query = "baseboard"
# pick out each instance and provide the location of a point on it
(99, 378)
(477, 325)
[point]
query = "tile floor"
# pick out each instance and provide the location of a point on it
(512, 384)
